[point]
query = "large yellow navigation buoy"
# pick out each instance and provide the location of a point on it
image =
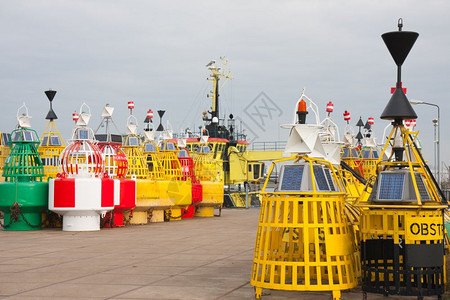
(304, 240)
(402, 239)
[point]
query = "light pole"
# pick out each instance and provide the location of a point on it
(437, 124)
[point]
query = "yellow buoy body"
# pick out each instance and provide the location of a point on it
(50, 149)
(177, 189)
(150, 192)
(208, 171)
(402, 232)
(304, 240)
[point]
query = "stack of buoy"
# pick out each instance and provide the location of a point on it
(82, 192)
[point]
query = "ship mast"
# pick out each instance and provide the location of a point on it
(216, 74)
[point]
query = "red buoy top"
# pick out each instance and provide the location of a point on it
(130, 104)
(302, 106)
(407, 123)
(75, 116)
(346, 116)
(371, 121)
(413, 123)
(330, 107)
(150, 113)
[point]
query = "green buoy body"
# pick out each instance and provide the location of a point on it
(32, 197)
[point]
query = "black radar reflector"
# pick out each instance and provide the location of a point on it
(160, 126)
(399, 43)
(360, 123)
(51, 114)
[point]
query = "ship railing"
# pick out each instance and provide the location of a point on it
(268, 146)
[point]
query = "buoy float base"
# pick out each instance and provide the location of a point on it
(81, 223)
(32, 198)
(118, 218)
(174, 214)
(51, 220)
(188, 213)
(33, 218)
(139, 217)
(205, 211)
(157, 216)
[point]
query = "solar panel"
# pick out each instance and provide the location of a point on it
(321, 180)
(16, 136)
(83, 134)
(330, 179)
(133, 141)
(292, 178)
(391, 186)
(421, 186)
(150, 147)
(116, 138)
(375, 154)
(55, 141)
(5, 138)
(354, 153)
(170, 146)
(366, 154)
(44, 141)
(27, 136)
(183, 153)
(346, 153)
(101, 137)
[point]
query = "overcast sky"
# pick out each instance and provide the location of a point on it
(155, 52)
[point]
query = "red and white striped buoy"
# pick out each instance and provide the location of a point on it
(346, 116)
(80, 194)
(330, 107)
(130, 105)
(75, 117)
(371, 121)
(150, 114)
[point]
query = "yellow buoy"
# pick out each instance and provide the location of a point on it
(208, 172)
(304, 240)
(179, 190)
(402, 236)
(50, 149)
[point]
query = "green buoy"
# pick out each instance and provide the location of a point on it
(23, 195)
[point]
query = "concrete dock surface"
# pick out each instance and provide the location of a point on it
(201, 258)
